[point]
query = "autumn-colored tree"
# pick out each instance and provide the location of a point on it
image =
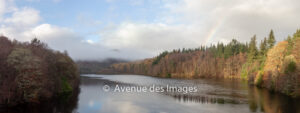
(31, 71)
(267, 66)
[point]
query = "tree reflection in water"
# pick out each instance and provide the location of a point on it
(213, 96)
(262, 100)
(57, 105)
(259, 100)
(206, 99)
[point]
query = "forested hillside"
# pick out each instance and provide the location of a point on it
(187, 64)
(31, 72)
(259, 63)
(93, 67)
(220, 60)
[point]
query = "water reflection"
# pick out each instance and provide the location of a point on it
(213, 96)
(206, 99)
(57, 105)
(224, 96)
(261, 100)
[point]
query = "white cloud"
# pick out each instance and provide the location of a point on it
(184, 23)
(151, 38)
(205, 22)
(19, 22)
(239, 18)
(5, 7)
(24, 24)
(25, 17)
(90, 41)
(2, 7)
(59, 38)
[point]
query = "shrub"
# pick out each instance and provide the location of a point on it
(258, 78)
(291, 67)
(244, 72)
(289, 64)
(66, 87)
(169, 75)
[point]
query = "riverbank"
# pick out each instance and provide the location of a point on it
(272, 66)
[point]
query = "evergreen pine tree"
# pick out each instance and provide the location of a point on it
(271, 40)
(252, 48)
(263, 46)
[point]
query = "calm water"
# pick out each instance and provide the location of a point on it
(212, 96)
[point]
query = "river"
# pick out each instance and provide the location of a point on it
(106, 94)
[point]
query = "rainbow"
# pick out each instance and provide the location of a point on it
(214, 29)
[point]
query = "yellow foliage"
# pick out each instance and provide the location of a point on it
(259, 78)
(275, 58)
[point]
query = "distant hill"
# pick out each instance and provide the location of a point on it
(97, 67)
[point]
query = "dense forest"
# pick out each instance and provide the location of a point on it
(31, 72)
(264, 64)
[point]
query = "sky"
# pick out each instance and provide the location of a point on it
(138, 29)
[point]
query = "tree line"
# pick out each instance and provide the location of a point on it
(31, 71)
(232, 48)
(264, 63)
